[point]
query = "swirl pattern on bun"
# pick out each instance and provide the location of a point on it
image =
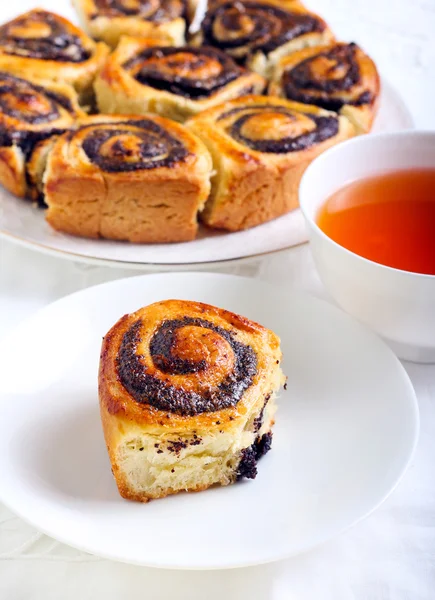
(142, 77)
(216, 368)
(261, 147)
(40, 34)
(127, 178)
(31, 104)
(108, 20)
(273, 129)
(193, 73)
(194, 385)
(44, 45)
(338, 77)
(132, 146)
(158, 11)
(258, 32)
(30, 113)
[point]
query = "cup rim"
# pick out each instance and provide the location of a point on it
(365, 139)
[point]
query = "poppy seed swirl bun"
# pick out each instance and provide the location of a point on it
(141, 179)
(338, 77)
(132, 146)
(44, 45)
(109, 20)
(189, 72)
(157, 11)
(261, 147)
(31, 112)
(43, 35)
(186, 397)
(141, 77)
(259, 32)
(278, 129)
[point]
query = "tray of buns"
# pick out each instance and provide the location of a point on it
(160, 133)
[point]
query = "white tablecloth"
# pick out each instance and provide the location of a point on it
(390, 555)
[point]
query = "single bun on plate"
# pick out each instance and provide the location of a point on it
(260, 147)
(108, 20)
(44, 45)
(141, 77)
(127, 178)
(339, 77)
(258, 33)
(187, 397)
(31, 113)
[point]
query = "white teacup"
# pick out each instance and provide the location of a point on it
(398, 305)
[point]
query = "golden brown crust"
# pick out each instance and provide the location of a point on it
(184, 389)
(30, 111)
(157, 19)
(337, 76)
(128, 178)
(12, 170)
(259, 32)
(261, 147)
(126, 492)
(29, 47)
(141, 76)
(35, 168)
(116, 400)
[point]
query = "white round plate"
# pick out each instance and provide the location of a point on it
(23, 223)
(346, 430)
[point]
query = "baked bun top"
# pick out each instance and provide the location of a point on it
(129, 145)
(42, 35)
(181, 361)
(31, 106)
(155, 11)
(269, 129)
(190, 72)
(329, 76)
(243, 28)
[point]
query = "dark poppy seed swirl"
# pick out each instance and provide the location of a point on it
(251, 125)
(41, 35)
(208, 345)
(132, 146)
(189, 72)
(156, 11)
(34, 112)
(241, 28)
(320, 79)
(28, 102)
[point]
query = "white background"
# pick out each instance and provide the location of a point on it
(391, 555)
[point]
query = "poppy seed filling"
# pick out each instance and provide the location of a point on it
(172, 77)
(60, 45)
(144, 143)
(147, 388)
(301, 84)
(269, 26)
(325, 127)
